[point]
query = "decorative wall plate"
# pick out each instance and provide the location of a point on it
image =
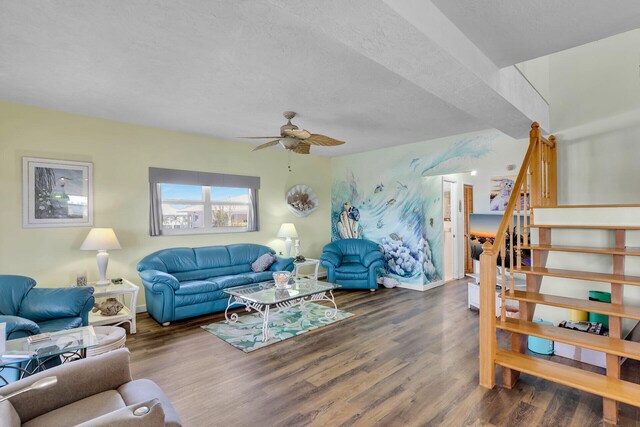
(302, 200)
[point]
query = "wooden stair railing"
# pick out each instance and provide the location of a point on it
(536, 187)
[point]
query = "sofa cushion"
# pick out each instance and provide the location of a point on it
(177, 259)
(231, 281)
(183, 300)
(246, 253)
(80, 411)
(265, 276)
(263, 262)
(212, 257)
(197, 287)
(352, 267)
(60, 324)
(212, 272)
(141, 390)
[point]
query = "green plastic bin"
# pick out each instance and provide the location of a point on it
(602, 297)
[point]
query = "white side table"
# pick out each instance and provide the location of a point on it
(127, 294)
(308, 261)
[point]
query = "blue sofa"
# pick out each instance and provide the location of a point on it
(28, 310)
(185, 282)
(352, 263)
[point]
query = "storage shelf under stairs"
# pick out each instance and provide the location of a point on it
(609, 309)
(605, 344)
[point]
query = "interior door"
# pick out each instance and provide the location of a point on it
(468, 209)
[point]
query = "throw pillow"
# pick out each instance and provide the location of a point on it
(263, 262)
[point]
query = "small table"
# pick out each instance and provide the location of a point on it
(262, 297)
(69, 344)
(308, 261)
(127, 294)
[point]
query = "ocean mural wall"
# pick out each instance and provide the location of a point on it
(394, 197)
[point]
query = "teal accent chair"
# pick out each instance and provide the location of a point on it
(352, 263)
(28, 310)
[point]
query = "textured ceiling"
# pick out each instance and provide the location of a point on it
(220, 68)
(372, 72)
(513, 31)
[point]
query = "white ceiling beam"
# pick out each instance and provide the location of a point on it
(416, 41)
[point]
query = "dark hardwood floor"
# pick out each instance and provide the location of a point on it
(405, 358)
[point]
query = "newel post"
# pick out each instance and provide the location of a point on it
(487, 316)
(553, 172)
(536, 165)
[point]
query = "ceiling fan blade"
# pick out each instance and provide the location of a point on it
(266, 144)
(317, 139)
(257, 137)
(297, 133)
(302, 148)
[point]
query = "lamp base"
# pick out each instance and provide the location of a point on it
(102, 282)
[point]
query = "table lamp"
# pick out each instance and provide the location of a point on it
(101, 240)
(287, 231)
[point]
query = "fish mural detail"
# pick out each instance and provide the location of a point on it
(348, 226)
(403, 224)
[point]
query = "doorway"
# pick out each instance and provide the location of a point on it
(468, 210)
(450, 225)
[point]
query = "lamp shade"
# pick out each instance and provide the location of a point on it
(100, 239)
(287, 230)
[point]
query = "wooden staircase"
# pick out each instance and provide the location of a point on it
(535, 188)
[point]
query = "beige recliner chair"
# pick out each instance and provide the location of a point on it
(97, 391)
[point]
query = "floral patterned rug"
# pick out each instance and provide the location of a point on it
(246, 333)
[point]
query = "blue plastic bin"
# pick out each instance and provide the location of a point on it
(540, 345)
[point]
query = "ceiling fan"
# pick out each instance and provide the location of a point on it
(294, 139)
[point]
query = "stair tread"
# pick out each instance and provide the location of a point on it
(609, 345)
(600, 385)
(586, 227)
(629, 251)
(582, 275)
(626, 311)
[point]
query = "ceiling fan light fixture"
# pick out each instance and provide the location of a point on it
(289, 143)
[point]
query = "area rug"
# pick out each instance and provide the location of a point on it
(246, 333)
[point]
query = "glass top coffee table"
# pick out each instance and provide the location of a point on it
(263, 297)
(29, 358)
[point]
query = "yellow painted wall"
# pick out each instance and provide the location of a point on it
(121, 155)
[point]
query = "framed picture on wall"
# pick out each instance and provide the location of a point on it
(56, 193)
(501, 189)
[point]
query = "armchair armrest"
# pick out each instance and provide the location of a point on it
(282, 264)
(159, 277)
(76, 381)
(43, 304)
(125, 416)
(332, 258)
(18, 327)
(372, 257)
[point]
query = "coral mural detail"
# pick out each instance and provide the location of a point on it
(400, 205)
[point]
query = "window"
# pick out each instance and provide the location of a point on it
(179, 208)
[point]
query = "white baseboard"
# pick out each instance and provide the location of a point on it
(421, 287)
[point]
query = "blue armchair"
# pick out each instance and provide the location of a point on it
(29, 311)
(352, 263)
